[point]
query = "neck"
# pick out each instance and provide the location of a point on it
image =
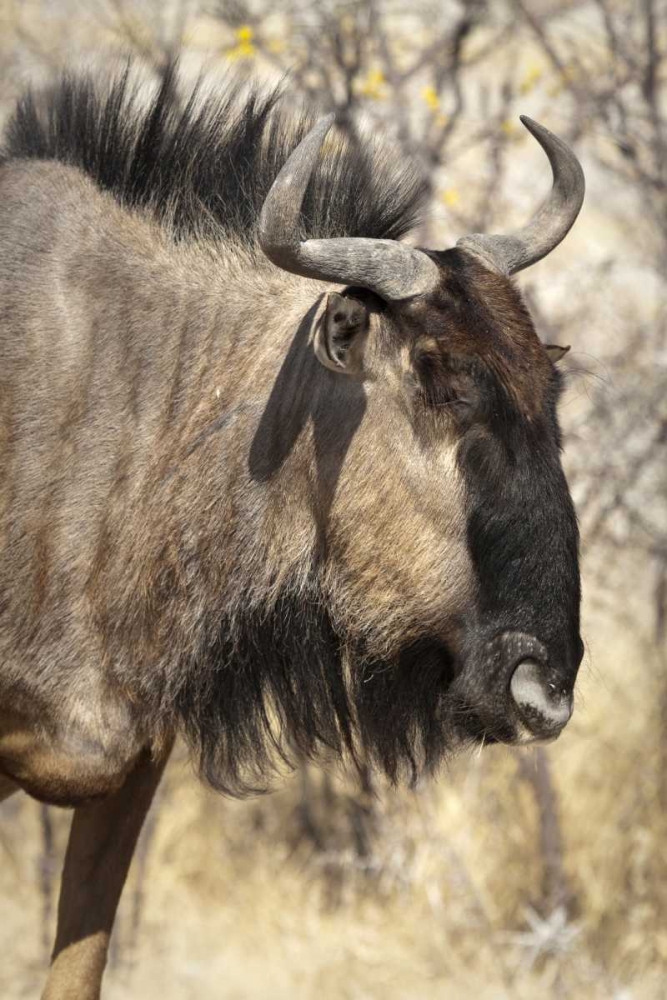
(216, 418)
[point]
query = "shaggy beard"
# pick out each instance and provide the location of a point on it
(281, 685)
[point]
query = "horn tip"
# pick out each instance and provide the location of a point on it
(533, 127)
(547, 139)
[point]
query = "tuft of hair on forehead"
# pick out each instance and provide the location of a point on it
(491, 322)
(203, 163)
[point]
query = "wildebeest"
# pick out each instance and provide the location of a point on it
(271, 479)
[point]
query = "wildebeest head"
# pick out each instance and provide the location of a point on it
(447, 531)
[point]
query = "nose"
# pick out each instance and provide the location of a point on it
(544, 705)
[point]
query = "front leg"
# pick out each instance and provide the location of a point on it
(99, 851)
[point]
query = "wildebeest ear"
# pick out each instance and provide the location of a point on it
(341, 334)
(556, 352)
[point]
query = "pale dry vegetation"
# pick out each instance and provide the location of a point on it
(517, 874)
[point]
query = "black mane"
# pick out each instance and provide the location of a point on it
(204, 164)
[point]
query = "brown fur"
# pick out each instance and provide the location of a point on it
(494, 326)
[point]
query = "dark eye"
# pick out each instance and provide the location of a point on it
(456, 402)
(445, 386)
(461, 410)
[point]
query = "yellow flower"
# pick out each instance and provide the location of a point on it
(430, 95)
(244, 48)
(509, 128)
(373, 85)
(531, 78)
(451, 197)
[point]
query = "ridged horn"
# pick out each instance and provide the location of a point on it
(549, 225)
(391, 269)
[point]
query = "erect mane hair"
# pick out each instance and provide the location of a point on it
(204, 163)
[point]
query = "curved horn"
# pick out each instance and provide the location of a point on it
(549, 225)
(386, 267)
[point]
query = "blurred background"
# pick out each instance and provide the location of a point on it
(519, 874)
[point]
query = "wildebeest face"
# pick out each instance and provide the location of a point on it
(452, 538)
(449, 540)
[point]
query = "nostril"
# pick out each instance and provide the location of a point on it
(543, 705)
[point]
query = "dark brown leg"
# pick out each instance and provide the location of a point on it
(100, 848)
